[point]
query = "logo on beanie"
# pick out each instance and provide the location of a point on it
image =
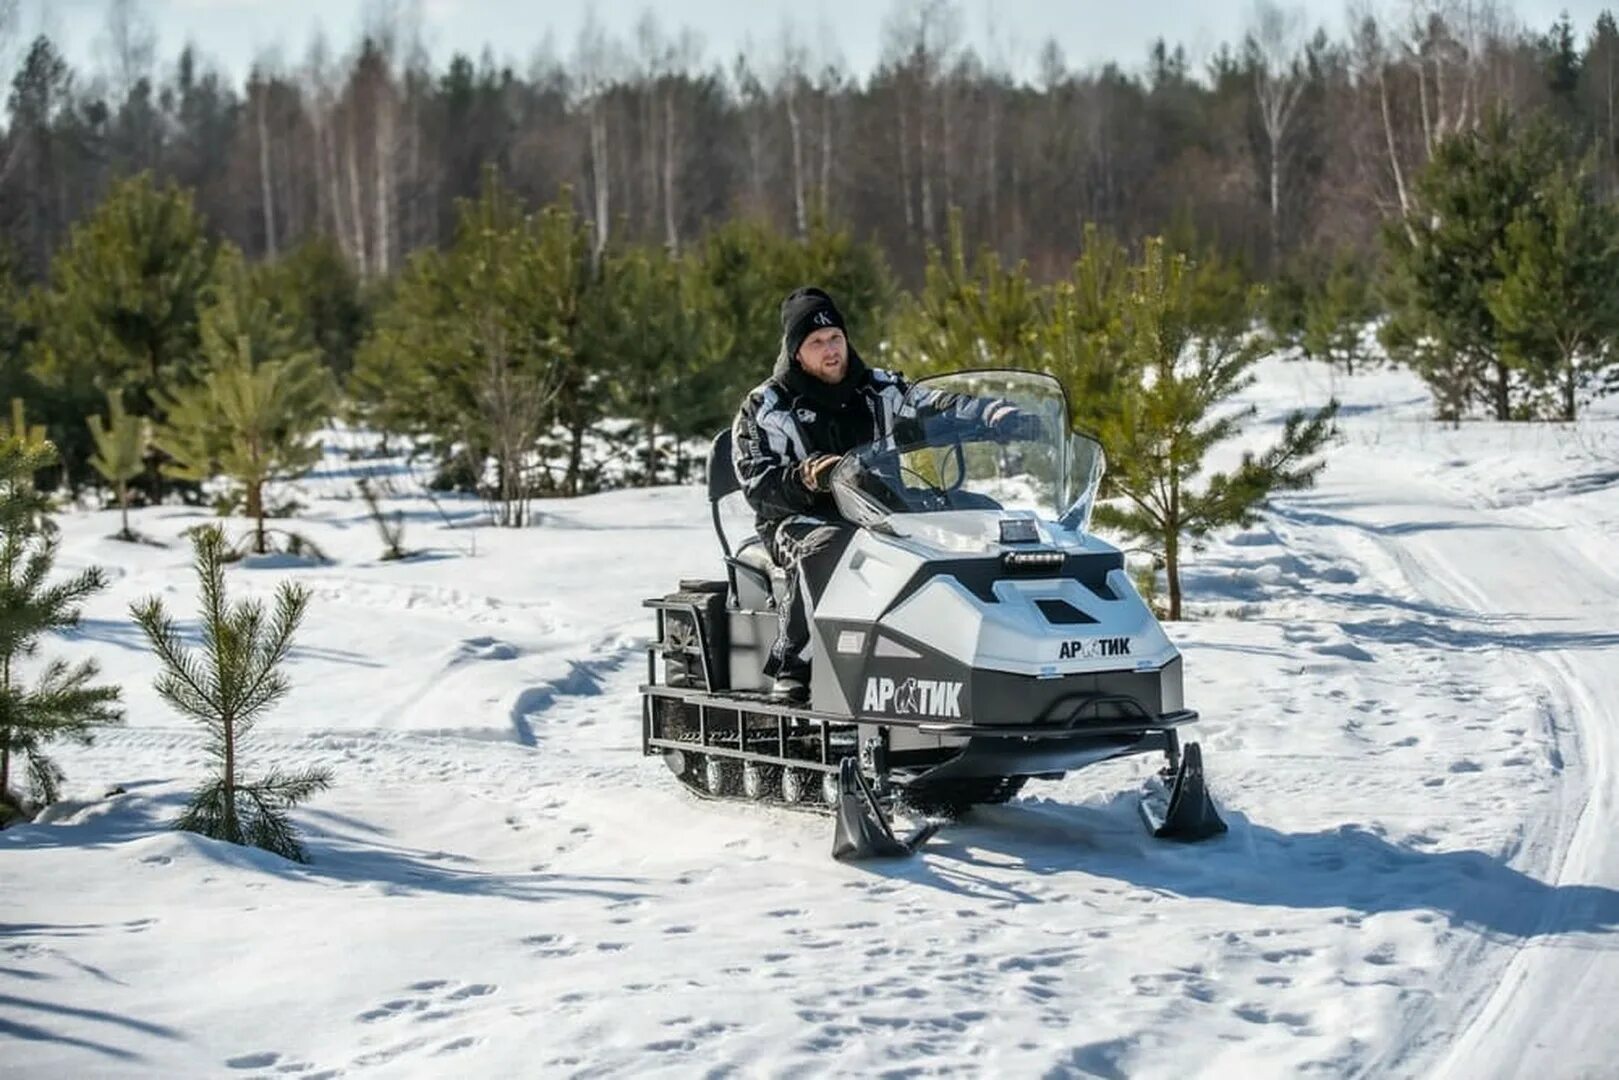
(823, 319)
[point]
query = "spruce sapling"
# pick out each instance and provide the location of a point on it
(228, 687)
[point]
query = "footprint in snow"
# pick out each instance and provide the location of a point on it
(262, 1060)
(488, 648)
(434, 1000)
(550, 945)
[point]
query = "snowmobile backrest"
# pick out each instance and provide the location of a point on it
(722, 481)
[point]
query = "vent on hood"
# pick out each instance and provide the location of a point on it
(1062, 613)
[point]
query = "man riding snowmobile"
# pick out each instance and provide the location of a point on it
(820, 402)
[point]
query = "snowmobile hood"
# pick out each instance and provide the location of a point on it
(941, 579)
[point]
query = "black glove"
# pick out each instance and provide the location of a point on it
(1012, 424)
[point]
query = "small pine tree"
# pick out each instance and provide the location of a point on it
(120, 308)
(1158, 436)
(391, 526)
(120, 452)
(61, 703)
(227, 689)
(1082, 339)
(253, 413)
(1335, 317)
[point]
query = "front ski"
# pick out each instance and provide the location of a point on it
(1189, 812)
(863, 830)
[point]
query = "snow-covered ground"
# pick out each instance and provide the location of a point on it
(1409, 681)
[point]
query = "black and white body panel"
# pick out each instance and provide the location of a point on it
(929, 622)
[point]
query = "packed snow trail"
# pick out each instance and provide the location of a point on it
(1550, 1009)
(1525, 561)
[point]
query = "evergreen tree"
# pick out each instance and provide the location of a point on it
(977, 315)
(14, 333)
(260, 401)
(1083, 335)
(1167, 421)
(30, 434)
(753, 267)
(1335, 316)
(476, 341)
(121, 443)
(655, 324)
(1444, 258)
(122, 309)
(228, 688)
(313, 288)
(1555, 301)
(19, 427)
(61, 702)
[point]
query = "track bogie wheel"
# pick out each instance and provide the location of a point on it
(720, 776)
(795, 785)
(760, 782)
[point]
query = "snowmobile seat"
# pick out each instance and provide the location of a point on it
(756, 582)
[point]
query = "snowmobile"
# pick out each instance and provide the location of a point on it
(973, 636)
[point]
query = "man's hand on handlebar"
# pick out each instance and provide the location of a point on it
(1012, 424)
(816, 472)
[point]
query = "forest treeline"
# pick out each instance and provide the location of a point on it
(1291, 141)
(554, 278)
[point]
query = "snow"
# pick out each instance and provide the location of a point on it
(1407, 678)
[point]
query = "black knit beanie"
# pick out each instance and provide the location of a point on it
(805, 311)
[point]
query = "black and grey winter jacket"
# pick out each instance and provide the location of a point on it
(792, 416)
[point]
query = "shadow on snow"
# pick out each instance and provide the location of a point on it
(1348, 867)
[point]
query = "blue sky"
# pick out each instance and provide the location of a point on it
(1089, 31)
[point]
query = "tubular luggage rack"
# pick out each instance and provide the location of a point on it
(732, 738)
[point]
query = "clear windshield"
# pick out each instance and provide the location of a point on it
(980, 440)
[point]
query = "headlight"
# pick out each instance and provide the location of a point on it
(1033, 560)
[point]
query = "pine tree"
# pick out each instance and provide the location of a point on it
(1336, 314)
(977, 314)
(1165, 424)
(313, 288)
(1555, 301)
(61, 703)
(655, 329)
(19, 427)
(121, 309)
(1083, 335)
(477, 340)
(1444, 259)
(252, 415)
(228, 688)
(14, 333)
(121, 442)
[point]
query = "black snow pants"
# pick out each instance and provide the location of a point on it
(808, 548)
